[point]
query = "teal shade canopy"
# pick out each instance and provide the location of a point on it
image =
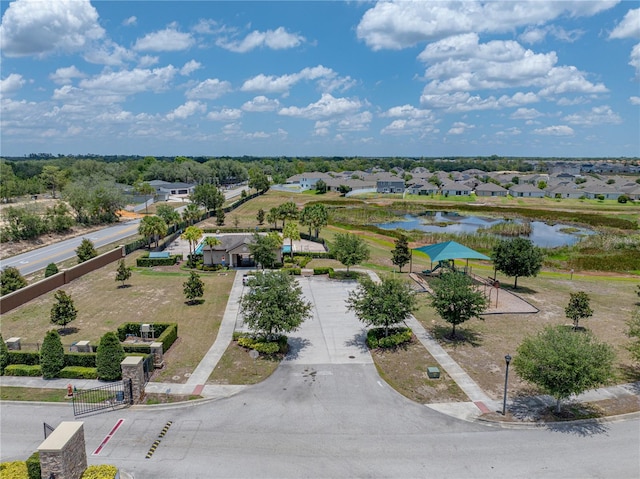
(449, 250)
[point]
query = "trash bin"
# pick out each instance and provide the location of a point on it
(433, 372)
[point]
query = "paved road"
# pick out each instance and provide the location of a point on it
(38, 259)
(326, 412)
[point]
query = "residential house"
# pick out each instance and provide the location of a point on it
(455, 188)
(565, 191)
(526, 191)
(387, 183)
(233, 251)
(490, 189)
(422, 189)
(164, 189)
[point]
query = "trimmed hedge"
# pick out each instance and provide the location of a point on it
(397, 336)
(167, 333)
(323, 270)
(30, 358)
(146, 262)
(33, 466)
(78, 372)
(142, 348)
(245, 340)
(85, 360)
(23, 370)
(102, 471)
(292, 271)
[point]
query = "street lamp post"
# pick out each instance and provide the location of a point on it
(507, 359)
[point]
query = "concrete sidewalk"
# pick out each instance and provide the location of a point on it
(334, 348)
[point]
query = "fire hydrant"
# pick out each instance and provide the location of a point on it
(69, 390)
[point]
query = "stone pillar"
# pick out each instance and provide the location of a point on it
(13, 344)
(63, 453)
(132, 368)
(158, 356)
(83, 347)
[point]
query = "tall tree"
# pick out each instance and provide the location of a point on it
(153, 228)
(274, 304)
(321, 187)
(272, 216)
(562, 363)
(319, 217)
(350, 249)
(168, 214)
(207, 196)
(191, 214)
(220, 217)
(4, 355)
(578, 308)
(291, 233)
(86, 250)
(109, 356)
(264, 249)
(401, 255)
(123, 273)
(517, 257)
(54, 178)
(287, 211)
(146, 190)
(63, 310)
(193, 288)
(384, 304)
(51, 355)
(456, 299)
(11, 280)
(260, 216)
(258, 179)
(192, 234)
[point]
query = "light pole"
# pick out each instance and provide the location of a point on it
(507, 359)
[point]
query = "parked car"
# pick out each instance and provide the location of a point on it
(246, 277)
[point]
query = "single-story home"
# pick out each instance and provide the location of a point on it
(490, 189)
(423, 189)
(233, 250)
(455, 188)
(164, 189)
(526, 190)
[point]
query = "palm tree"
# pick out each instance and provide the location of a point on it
(192, 234)
(291, 231)
(211, 241)
(153, 227)
(191, 213)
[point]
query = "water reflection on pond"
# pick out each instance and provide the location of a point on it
(542, 234)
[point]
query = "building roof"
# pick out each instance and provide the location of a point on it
(450, 250)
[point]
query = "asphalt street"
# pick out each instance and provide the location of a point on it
(327, 413)
(38, 259)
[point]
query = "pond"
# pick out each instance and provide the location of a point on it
(542, 234)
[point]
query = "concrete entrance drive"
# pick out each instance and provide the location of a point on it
(334, 335)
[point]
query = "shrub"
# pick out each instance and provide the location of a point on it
(33, 466)
(146, 262)
(23, 370)
(4, 355)
(14, 470)
(266, 348)
(103, 471)
(623, 199)
(78, 372)
(323, 270)
(397, 336)
(86, 360)
(11, 280)
(292, 271)
(51, 355)
(166, 333)
(110, 355)
(51, 270)
(302, 261)
(344, 274)
(86, 250)
(280, 345)
(30, 358)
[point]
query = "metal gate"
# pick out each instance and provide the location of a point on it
(147, 366)
(110, 396)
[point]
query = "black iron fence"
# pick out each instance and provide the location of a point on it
(110, 396)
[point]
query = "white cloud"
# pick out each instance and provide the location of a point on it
(634, 100)
(537, 35)
(190, 67)
(207, 26)
(278, 39)
(513, 131)
(408, 111)
(357, 122)
(525, 114)
(326, 107)
(146, 61)
(401, 24)
(459, 127)
(38, 28)
(209, 89)
(130, 21)
(188, 109)
(108, 53)
(556, 130)
(261, 103)
(128, 82)
(463, 101)
(635, 59)
(11, 84)
(629, 27)
(226, 114)
(63, 76)
(281, 84)
(597, 116)
(167, 40)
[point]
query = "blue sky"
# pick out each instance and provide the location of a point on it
(297, 78)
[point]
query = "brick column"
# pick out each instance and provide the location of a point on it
(158, 356)
(63, 453)
(132, 369)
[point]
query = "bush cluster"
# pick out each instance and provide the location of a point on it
(166, 333)
(376, 337)
(103, 471)
(261, 345)
(23, 370)
(86, 360)
(292, 271)
(78, 372)
(33, 466)
(344, 274)
(146, 262)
